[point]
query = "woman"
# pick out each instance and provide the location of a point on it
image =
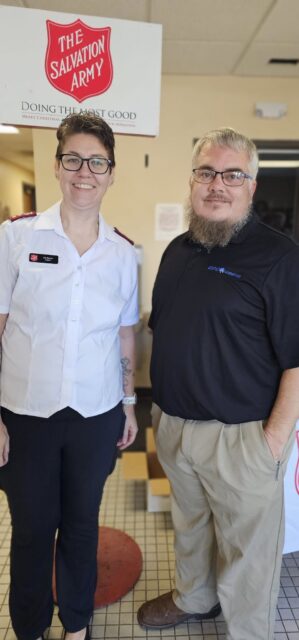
(68, 303)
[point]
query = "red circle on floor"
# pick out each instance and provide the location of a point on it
(119, 565)
(119, 561)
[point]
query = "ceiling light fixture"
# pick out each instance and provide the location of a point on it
(7, 128)
(270, 109)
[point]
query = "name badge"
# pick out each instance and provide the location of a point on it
(42, 257)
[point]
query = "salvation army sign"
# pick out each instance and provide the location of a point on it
(61, 63)
(78, 59)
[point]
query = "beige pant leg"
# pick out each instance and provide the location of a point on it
(195, 549)
(244, 487)
(156, 413)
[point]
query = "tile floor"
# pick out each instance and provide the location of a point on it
(124, 508)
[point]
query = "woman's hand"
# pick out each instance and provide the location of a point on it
(4, 444)
(130, 428)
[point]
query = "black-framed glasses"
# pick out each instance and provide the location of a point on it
(96, 164)
(231, 178)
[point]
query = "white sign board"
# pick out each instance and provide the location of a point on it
(53, 64)
(291, 493)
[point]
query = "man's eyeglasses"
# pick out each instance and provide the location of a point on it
(231, 178)
(95, 164)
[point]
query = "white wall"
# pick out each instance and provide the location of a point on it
(190, 106)
(11, 191)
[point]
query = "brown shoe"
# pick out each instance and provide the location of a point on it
(162, 613)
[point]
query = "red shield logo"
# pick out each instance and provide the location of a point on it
(78, 59)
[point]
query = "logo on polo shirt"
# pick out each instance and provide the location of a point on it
(225, 271)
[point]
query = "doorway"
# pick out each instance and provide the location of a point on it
(29, 201)
(276, 200)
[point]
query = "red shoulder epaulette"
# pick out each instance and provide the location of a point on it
(31, 214)
(123, 235)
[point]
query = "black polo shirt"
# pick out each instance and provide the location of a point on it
(225, 325)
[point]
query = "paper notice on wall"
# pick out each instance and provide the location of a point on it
(168, 221)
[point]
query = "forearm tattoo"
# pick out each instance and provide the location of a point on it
(126, 371)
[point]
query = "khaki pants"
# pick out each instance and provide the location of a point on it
(228, 517)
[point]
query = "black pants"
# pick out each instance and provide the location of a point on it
(54, 482)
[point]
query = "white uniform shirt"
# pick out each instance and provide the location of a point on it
(60, 346)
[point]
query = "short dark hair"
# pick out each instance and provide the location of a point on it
(86, 123)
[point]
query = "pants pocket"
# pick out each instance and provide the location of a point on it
(262, 424)
(156, 414)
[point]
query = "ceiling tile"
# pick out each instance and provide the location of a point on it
(219, 20)
(282, 24)
(13, 3)
(122, 9)
(201, 58)
(255, 61)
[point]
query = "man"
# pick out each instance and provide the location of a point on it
(225, 373)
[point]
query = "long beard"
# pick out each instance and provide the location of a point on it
(212, 233)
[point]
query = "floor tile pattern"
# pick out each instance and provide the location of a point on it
(124, 507)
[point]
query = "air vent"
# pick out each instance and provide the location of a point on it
(292, 61)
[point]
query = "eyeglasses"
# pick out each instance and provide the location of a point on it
(95, 164)
(233, 178)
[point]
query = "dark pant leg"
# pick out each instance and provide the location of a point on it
(88, 457)
(31, 482)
